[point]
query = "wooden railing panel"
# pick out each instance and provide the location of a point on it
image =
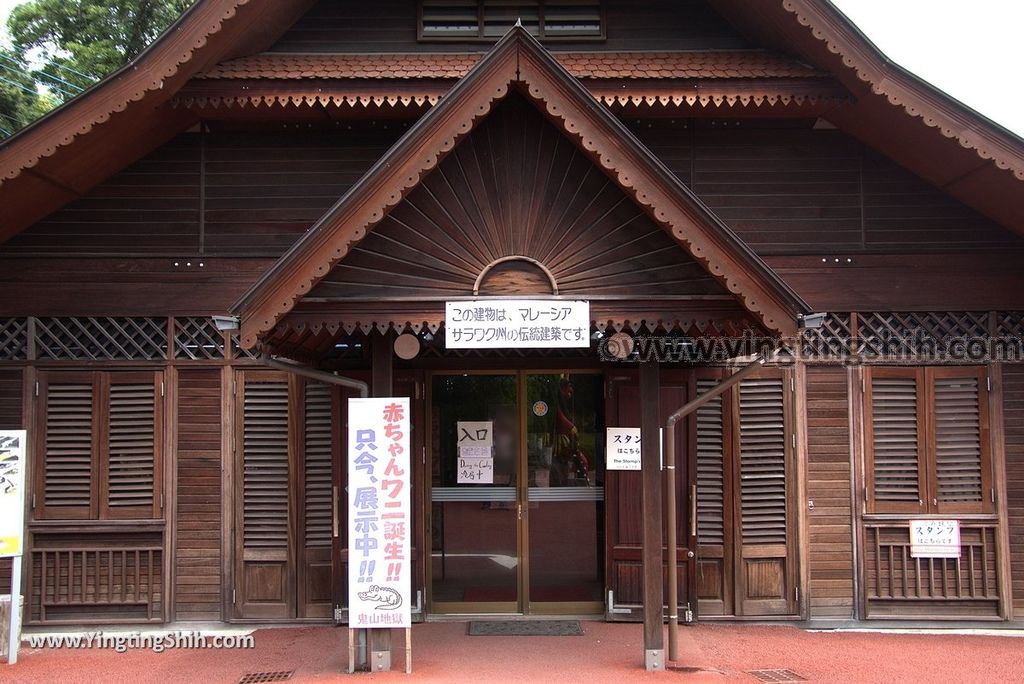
(932, 587)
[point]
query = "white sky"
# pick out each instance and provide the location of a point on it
(971, 50)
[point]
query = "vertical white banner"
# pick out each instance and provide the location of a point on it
(379, 514)
(12, 492)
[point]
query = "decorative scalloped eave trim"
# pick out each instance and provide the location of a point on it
(868, 73)
(393, 101)
(385, 324)
(372, 216)
(155, 83)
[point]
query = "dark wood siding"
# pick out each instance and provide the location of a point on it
(197, 560)
(390, 26)
(828, 486)
(10, 419)
(1013, 416)
(805, 191)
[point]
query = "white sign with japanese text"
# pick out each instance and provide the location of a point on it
(12, 493)
(623, 448)
(474, 433)
(934, 538)
(379, 514)
(517, 324)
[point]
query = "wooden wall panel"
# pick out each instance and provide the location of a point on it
(390, 26)
(796, 190)
(10, 419)
(1013, 408)
(197, 561)
(828, 486)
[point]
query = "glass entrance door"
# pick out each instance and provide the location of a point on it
(517, 481)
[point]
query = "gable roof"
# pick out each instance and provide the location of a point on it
(518, 61)
(124, 116)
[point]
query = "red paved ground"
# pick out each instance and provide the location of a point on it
(608, 653)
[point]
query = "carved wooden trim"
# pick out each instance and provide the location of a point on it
(519, 61)
(901, 90)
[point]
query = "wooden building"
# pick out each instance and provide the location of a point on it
(329, 173)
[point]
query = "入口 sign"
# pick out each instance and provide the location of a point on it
(379, 514)
(934, 538)
(623, 448)
(12, 493)
(517, 324)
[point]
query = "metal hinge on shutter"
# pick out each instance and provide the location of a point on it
(33, 501)
(37, 388)
(794, 440)
(988, 382)
(792, 384)
(234, 596)
(796, 593)
(161, 501)
(161, 388)
(993, 494)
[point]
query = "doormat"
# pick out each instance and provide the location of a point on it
(776, 675)
(525, 628)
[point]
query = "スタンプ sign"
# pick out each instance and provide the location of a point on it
(379, 513)
(623, 448)
(517, 324)
(935, 539)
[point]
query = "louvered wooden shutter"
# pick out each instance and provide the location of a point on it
(132, 446)
(710, 468)
(318, 504)
(572, 18)
(894, 418)
(265, 464)
(68, 461)
(960, 443)
(763, 461)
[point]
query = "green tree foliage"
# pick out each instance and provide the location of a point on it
(61, 47)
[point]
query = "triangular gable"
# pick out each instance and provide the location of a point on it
(515, 209)
(518, 61)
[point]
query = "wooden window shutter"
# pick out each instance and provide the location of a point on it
(317, 465)
(710, 467)
(68, 486)
(762, 434)
(894, 416)
(133, 445)
(265, 490)
(961, 480)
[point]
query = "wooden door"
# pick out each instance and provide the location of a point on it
(624, 519)
(283, 496)
(743, 442)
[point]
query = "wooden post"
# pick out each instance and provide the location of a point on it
(650, 415)
(381, 385)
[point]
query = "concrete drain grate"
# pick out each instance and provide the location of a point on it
(776, 675)
(261, 677)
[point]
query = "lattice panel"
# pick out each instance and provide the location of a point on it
(239, 352)
(901, 334)
(831, 340)
(1010, 324)
(101, 339)
(197, 339)
(13, 339)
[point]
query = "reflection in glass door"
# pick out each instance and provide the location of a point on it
(474, 511)
(565, 469)
(517, 483)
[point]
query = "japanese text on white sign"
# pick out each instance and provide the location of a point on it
(379, 513)
(517, 324)
(623, 448)
(12, 492)
(934, 538)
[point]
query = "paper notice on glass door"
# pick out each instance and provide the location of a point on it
(475, 466)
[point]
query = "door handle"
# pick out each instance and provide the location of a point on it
(693, 510)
